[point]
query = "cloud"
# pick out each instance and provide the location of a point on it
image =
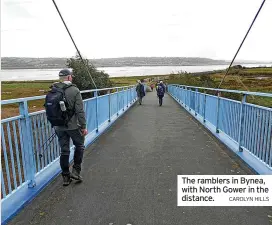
(16, 9)
(106, 28)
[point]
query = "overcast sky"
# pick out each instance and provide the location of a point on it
(120, 28)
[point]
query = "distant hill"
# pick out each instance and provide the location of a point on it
(52, 63)
(56, 63)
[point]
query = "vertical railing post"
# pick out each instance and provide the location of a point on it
(123, 90)
(182, 95)
(217, 112)
(196, 102)
(241, 123)
(127, 96)
(204, 106)
(189, 92)
(96, 109)
(131, 95)
(186, 96)
(109, 93)
(177, 91)
(134, 94)
(27, 146)
(117, 90)
(178, 94)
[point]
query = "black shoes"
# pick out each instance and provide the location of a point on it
(76, 175)
(66, 180)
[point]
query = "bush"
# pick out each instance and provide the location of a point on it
(207, 81)
(82, 78)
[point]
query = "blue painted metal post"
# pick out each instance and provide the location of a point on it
(96, 109)
(182, 94)
(241, 123)
(131, 101)
(117, 101)
(177, 95)
(109, 93)
(123, 90)
(204, 106)
(127, 96)
(178, 92)
(27, 146)
(217, 112)
(196, 102)
(189, 92)
(130, 95)
(185, 96)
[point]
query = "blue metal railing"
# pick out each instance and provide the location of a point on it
(23, 136)
(244, 127)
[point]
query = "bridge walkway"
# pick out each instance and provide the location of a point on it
(130, 175)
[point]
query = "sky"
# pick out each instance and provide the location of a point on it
(137, 28)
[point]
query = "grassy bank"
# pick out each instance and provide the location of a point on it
(19, 89)
(251, 79)
(247, 79)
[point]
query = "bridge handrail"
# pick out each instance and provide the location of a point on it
(244, 127)
(262, 94)
(17, 100)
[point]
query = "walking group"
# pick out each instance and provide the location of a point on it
(160, 88)
(64, 110)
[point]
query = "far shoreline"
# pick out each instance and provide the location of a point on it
(53, 68)
(144, 65)
(9, 75)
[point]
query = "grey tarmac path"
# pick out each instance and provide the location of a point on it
(130, 175)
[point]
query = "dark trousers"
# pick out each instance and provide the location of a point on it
(140, 100)
(64, 142)
(160, 99)
(140, 96)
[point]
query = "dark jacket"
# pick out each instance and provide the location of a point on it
(75, 103)
(163, 87)
(140, 90)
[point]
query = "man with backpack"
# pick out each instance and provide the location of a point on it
(65, 111)
(140, 91)
(160, 92)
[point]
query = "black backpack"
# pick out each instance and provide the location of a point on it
(143, 89)
(160, 90)
(54, 114)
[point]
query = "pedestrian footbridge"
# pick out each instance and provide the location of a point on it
(130, 171)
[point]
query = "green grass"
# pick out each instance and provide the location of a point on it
(267, 70)
(19, 89)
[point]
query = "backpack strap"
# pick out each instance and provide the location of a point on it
(66, 87)
(63, 88)
(70, 112)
